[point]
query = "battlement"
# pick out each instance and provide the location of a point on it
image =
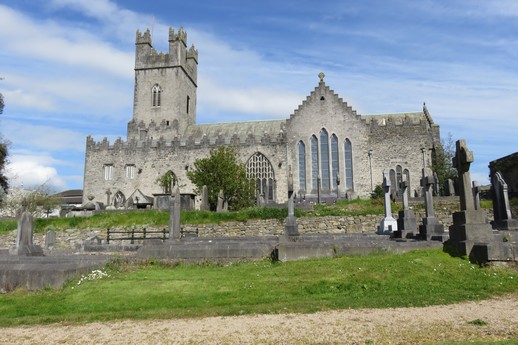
(146, 57)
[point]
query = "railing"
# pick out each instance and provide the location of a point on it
(136, 234)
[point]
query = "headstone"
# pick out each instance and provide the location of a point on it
(24, 234)
(219, 206)
(290, 184)
(50, 239)
(469, 225)
(431, 228)
(407, 222)
(435, 184)
(174, 215)
(388, 224)
(205, 206)
(449, 188)
(291, 228)
(476, 194)
(501, 206)
(319, 180)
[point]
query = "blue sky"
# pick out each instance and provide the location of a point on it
(68, 68)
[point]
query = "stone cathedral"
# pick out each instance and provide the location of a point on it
(324, 141)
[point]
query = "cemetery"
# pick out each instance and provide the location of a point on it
(468, 233)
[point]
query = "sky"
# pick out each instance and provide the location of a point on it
(67, 69)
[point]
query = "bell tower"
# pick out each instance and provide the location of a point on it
(165, 87)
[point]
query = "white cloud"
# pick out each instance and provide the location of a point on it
(29, 174)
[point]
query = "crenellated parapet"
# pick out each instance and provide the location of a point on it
(178, 56)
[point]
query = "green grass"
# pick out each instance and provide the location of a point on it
(157, 290)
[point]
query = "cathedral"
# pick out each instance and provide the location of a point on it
(324, 145)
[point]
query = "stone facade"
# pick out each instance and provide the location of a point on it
(324, 137)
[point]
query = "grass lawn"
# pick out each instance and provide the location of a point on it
(157, 290)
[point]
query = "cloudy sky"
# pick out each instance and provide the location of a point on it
(68, 68)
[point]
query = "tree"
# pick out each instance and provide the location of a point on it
(39, 202)
(442, 161)
(223, 171)
(167, 181)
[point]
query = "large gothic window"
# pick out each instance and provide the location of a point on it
(156, 93)
(334, 160)
(314, 162)
(302, 166)
(324, 160)
(348, 153)
(260, 169)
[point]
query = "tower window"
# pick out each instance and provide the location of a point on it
(108, 172)
(130, 171)
(156, 92)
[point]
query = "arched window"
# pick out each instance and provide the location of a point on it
(302, 166)
(259, 168)
(324, 159)
(348, 153)
(314, 162)
(156, 91)
(334, 160)
(119, 199)
(406, 172)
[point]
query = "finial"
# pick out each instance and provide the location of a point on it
(321, 75)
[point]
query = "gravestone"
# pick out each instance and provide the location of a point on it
(435, 184)
(407, 222)
(219, 206)
(290, 184)
(291, 228)
(469, 225)
(449, 187)
(205, 206)
(50, 239)
(388, 224)
(24, 236)
(501, 206)
(476, 194)
(175, 208)
(431, 229)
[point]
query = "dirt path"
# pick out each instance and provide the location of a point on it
(364, 326)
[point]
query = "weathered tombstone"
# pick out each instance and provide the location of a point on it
(388, 224)
(431, 228)
(24, 234)
(449, 188)
(291, 228)
(501, 206)
(407, 222)
(319, 180)
(175, 209)
(219, 206)
(204, 199)
(469, 225)
(290, 184)
(476, 194)
(50, 239)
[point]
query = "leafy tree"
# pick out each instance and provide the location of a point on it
(223, 171)
(442, 161)
(166, 182)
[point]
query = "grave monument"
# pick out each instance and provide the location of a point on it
(388, 224)
(501, 207)
(407, 222)
(431, 229)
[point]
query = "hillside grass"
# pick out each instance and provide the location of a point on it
(155, 289)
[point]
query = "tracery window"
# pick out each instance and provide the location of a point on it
(314, 162)
(302, 166)
(348, 155)
(119, 199)
(324, 160)
(334, 160)
(259, 168)
(156, 92)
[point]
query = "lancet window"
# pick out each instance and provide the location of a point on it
(302, 166)
(348, 155)
(314, 162)
(156, 92)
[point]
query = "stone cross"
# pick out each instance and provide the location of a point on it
(108, 193)
(204, 199)
(24, 235)
(291, 227)
(175, 209)
(403, 185)
(476, 195)
(462, 160)
(219, 207)
(388, 224)
(290, 183)
(427, 182)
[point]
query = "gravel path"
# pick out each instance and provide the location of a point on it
(363, 326)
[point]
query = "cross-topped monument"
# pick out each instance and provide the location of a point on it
(462, 160)
(388, 224)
